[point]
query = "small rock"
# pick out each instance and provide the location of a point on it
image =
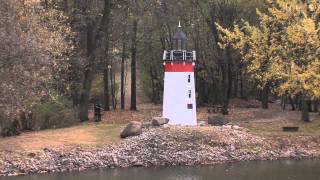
(134, 128)
(236, 127)
(158, 121)
(227, 126)
(217, 120)
(202, 123)
(146, 124)
(232, 147)
(32, 155)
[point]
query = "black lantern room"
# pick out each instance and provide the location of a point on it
(179, 51)
(180, 39)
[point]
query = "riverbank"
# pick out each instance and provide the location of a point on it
(164, 146)
(253, 134)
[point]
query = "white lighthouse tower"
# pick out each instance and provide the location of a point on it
(179, 101)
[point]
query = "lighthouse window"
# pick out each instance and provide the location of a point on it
(189, 93)
(189, 78)
(190, 106)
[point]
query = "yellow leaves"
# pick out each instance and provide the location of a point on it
(282, 16)
(284, 48)
(295, 34)
(229, 37)
(263, 17)
(309, 25)
(302, 31)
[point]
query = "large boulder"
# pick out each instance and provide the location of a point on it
(217, 120)
(134, 128)
(159, 121)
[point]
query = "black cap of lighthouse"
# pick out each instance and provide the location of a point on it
(180, 39)
(179, 102)
(179, 51)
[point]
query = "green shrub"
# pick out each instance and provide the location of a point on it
(54, 114)
(146, 85)
(97, 90)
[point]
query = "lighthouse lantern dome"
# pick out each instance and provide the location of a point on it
(180, 39)
(179, 51)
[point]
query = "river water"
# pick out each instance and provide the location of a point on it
(277, 170)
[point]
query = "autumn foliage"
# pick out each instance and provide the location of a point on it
(283, 50)
(34, 45)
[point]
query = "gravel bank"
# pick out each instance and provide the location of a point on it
(164, 146)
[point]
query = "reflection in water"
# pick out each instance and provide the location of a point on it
(278, 170)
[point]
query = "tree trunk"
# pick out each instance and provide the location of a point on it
(230, 79)
(153, 86)
(230, 73)
(226, 82)
(91, 48)
(113, 87)
(316, 106)
(305, 110)
(133, 106)
(85, 95)
(265, 97)
(283, 102)
(88, 77)
(105, 28)
(46, 4)
(298, 102)
(158, 91)
(235, 89)
(122, 76)
(106, 89)
(66, 6)
(74, 94)
(310, 106)
(292, 103)
(241, 85)
(225, 100)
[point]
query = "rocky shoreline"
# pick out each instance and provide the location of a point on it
(161, 146)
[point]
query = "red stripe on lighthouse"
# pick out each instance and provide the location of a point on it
(178, 67)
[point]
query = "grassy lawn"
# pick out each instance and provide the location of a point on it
(270, 122)
(266, 123)
(86, 134)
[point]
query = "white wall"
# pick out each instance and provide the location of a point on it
(176, 98)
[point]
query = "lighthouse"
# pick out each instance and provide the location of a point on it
(179, 101)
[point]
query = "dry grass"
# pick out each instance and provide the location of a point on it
(266, 123)
(145, 112)
(88, 134)
(85, 134)
(271, 121)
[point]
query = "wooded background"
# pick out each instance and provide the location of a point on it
(58, 56)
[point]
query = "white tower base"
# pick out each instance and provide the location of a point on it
(179, 101)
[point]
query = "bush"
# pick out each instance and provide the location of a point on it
(53, 114)
(97, 94)
(9, 126)
(146, 85)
